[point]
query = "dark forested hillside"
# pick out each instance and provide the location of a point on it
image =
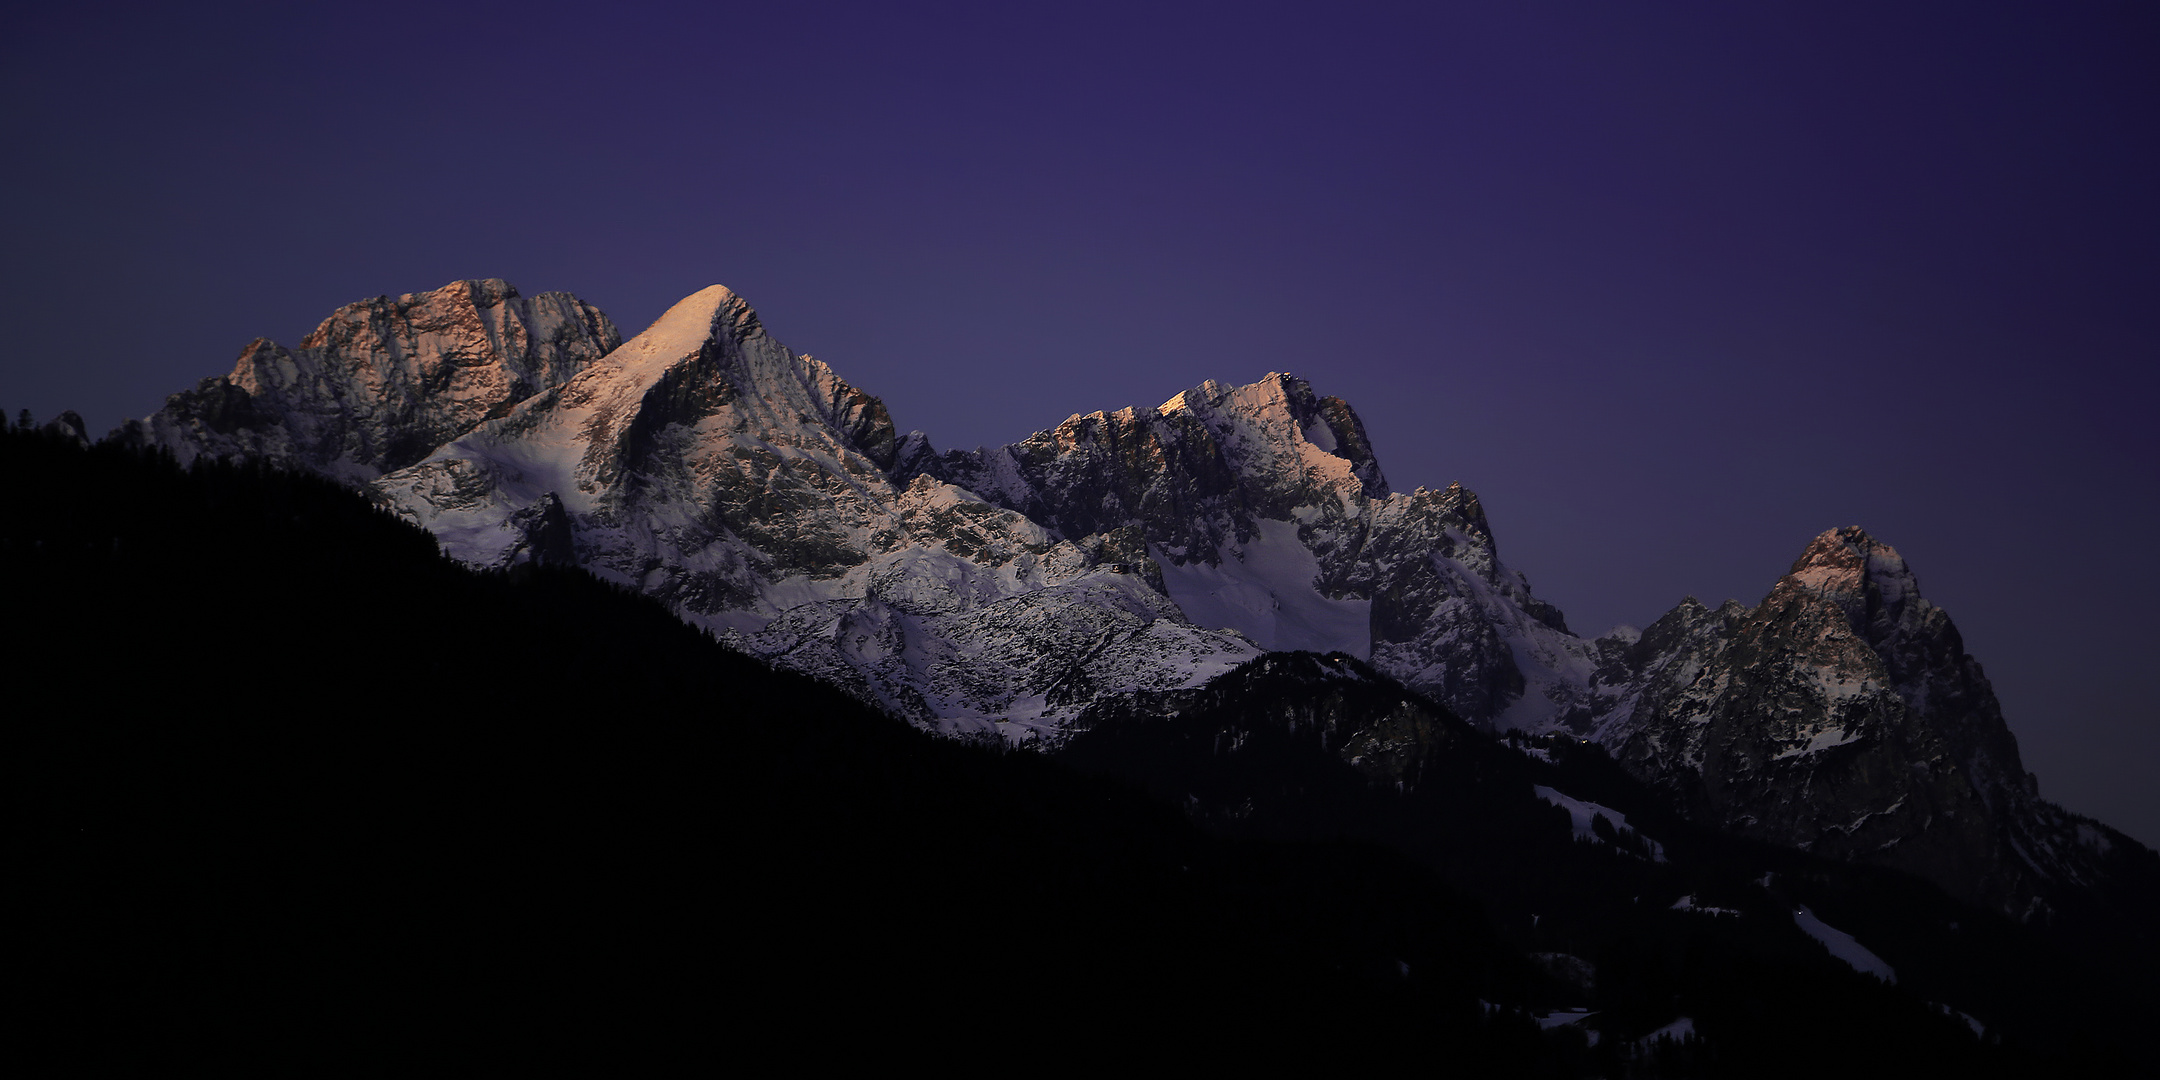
(1297, 745)
(285, 786)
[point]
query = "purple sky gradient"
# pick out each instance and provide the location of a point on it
(1674, 287)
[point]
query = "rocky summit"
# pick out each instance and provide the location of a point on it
(1126, 557)
(1843, 716)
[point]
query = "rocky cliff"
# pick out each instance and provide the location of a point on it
(383, 382)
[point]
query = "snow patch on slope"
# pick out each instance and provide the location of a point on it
(1687, 903)
(1583, 813)
(1678, 1030)
(1842, 945)
(1820, 741)
(1266, 590)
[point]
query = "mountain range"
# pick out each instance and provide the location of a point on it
(1128, 556)
(1195, 692)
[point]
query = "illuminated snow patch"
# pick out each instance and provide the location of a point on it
(1687, 903)
(1842, 945)
(1820, 741)
(1582, 813)
(1978, 1029)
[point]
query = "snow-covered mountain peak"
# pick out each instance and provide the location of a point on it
(703, 413)
(1279, 416)
(1198, 475)
(689, 325)
(710, 355)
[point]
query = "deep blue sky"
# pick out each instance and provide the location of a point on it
(1674, 287)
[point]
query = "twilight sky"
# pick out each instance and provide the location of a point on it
(1673, 287)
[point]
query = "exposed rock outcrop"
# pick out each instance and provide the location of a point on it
(383, 382)
(1843, 716)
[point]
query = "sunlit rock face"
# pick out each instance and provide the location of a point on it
(383, 382)
(1196, 474)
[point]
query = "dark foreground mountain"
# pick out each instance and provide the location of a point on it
(286, 786)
